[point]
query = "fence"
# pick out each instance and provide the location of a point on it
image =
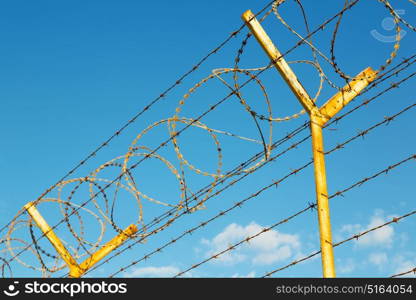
(25, 246)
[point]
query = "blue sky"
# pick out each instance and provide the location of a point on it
(73, 73)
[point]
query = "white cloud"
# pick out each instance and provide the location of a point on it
(381, 237)
(270, 247)
(404, 264)
(166, 271)
(347, 267)
(252, 274)
(279, 254)
(404, 239)
(351, 228)
(378, 259)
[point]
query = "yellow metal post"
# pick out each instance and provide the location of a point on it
(76, 270)
(327, 253)
(319, 117)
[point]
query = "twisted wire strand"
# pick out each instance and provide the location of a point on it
(404, 273)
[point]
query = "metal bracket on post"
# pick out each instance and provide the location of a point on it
(77, 270)
(318, 118)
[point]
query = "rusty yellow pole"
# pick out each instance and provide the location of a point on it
(103, 251)
(76, 270)
(319, 117)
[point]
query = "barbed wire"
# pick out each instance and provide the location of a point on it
(404, 273)
(187, 196)
(362, 133)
